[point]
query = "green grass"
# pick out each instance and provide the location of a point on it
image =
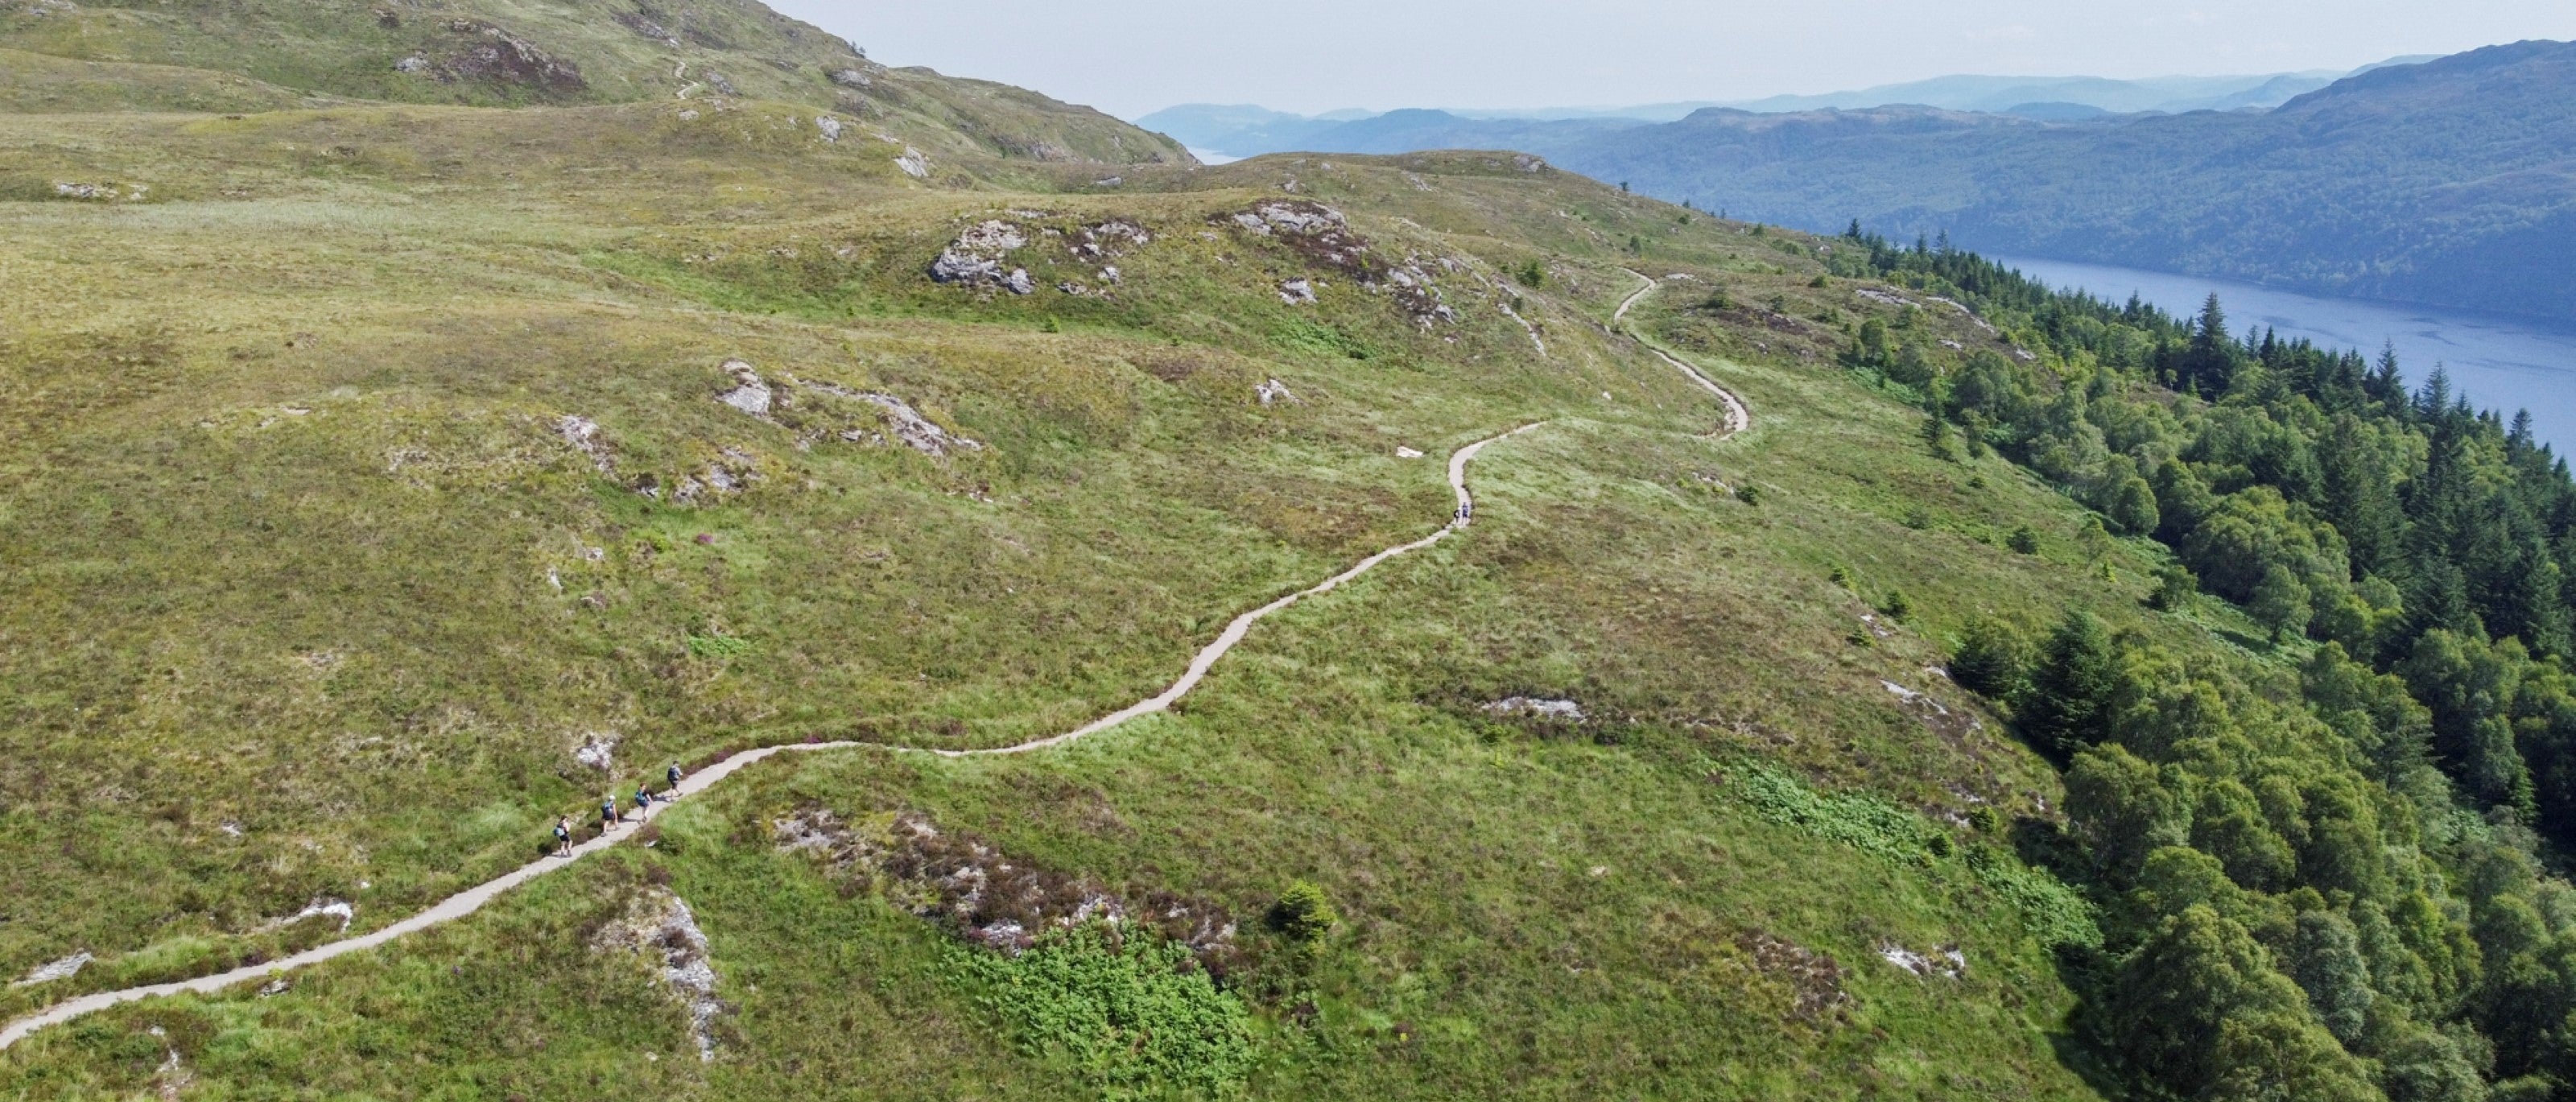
(283, 492)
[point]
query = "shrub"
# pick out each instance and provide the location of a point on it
(1749, 494)
(2024, 541)
(1303, 913)
(2175, 588)
(1532, 275)
(717, 645)
(1130, 1011)
(1896, 606)
(1992, 661)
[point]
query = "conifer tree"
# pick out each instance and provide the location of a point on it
(2071, 686)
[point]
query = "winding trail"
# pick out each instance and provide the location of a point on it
(1738, 418)
(472, 899)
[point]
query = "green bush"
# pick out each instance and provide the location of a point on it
(1993, 660)
(717, 645)
(2024, 540)
(2175, 588)
(1131, 1011)
(1303, 913)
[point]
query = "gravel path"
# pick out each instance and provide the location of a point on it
(472, 899)
(1738, 418)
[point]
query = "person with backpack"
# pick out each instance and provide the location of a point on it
(643, 801)
(673, 775)
(608, 819)
(563, 835)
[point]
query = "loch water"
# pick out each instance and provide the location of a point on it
(2498, 362)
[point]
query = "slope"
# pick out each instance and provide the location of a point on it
(376, 411)
(381, 482)
(588, 52)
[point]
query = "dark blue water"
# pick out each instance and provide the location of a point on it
(2500, 363)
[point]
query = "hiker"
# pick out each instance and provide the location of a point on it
(608, 819)
(673, 774)
(643, 800)
(563, 835)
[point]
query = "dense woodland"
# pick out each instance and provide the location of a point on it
(2327, 885)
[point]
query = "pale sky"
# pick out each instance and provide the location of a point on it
(1137, 56)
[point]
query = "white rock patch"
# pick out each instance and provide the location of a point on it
(659, 927)
(1947, 962)
(598, 750)
(62, 969)
(749, 393)
(335, 908)
(1542, 709)
(583, 434)
(977, 254)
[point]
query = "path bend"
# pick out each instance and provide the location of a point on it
(1738, 416)
(472, 899)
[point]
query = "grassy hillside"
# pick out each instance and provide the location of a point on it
(332, 602)
(380, 481)
(518, 52)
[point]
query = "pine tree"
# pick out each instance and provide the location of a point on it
(2209, 366)
(2071, 687)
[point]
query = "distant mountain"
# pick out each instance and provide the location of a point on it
(2447, 182)
(1246, 131)
(2450, 182)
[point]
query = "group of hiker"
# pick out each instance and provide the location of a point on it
(610, 817)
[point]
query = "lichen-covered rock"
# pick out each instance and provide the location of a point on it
(583, 434)
(660, 930)
(977, 254)
(501, 57)
(1561, 710)
(988, 897)
(749, 393)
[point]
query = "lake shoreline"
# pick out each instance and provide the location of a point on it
(2498, 361)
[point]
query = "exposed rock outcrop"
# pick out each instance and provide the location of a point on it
(988, 897)
(660, 931)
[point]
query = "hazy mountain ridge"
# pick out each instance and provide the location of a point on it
(2444, 182)
(1246, 130)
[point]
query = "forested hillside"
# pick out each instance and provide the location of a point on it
(2416, 555)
